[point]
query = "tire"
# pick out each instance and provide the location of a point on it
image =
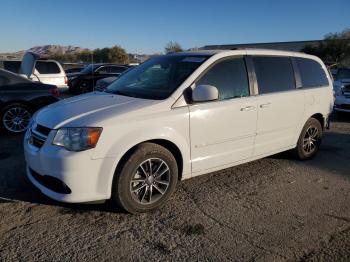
(309, 140)
(8, 121)
(84, 87)
(136, 168)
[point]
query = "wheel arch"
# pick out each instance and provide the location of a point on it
(320, 118)
(172, 147)
(17, 101)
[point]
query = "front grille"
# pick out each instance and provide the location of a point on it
(43, 130)
(346, 88)
(51, 183)
(39, 135)
(344, 106)
(37, 141)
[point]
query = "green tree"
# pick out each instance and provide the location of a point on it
(173, 47)
(334, 50)
(118, 55)
(84, 56)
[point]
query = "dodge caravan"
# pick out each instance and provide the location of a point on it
(175, 117)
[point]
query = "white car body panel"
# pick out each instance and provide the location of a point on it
(230, 128)
(210, 136)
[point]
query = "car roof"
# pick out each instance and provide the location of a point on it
(239, 50)
(108, 64)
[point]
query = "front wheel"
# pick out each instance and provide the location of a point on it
(146, 180)
(309, 140)
(15, 118)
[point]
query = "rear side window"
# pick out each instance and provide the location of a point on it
(311, 73)
(274, 74)
(229, 77)
(44, 67)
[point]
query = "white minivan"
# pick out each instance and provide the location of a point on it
(175, 117)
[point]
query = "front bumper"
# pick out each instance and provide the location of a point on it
(87, 179)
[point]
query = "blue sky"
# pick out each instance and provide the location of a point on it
(146, 26)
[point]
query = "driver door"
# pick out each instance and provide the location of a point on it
(222, 132)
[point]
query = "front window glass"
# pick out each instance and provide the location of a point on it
(158, 77)
(229, 77)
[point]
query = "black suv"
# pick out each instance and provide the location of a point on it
(85, 80)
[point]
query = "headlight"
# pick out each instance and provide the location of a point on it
(77, 138)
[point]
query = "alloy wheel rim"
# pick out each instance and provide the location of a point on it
(150, 181)
(16, 119)
(310, 140)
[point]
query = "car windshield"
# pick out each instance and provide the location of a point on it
(343, 73)
(89, 69)
(158, 77)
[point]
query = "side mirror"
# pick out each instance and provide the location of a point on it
(204, 93)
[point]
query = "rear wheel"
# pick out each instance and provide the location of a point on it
(146, 180)
(84, 87)
(309, 140)
(15, 118)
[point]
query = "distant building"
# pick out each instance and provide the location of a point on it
(286, 46)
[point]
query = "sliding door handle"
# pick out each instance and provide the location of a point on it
(247, 108)
(265, 105)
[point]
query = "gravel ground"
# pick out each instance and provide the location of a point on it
(274, 209)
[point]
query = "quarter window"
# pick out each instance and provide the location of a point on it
(229, 77)
(274, 74)
(311, 73)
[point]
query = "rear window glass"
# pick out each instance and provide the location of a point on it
(44, 67)
(12, 66)
(274, 74)
(311, 73)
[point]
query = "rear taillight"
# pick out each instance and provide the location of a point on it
(65, 80)
(54, 91)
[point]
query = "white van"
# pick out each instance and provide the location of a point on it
(175, 117)
(44, 71)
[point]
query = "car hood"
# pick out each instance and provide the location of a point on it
(88, 109)
(73, 74)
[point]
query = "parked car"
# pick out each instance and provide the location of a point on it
(20, 98)
(74, 70)
(342, 90)
(44, 71)
(85, 81)
(175, 117)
